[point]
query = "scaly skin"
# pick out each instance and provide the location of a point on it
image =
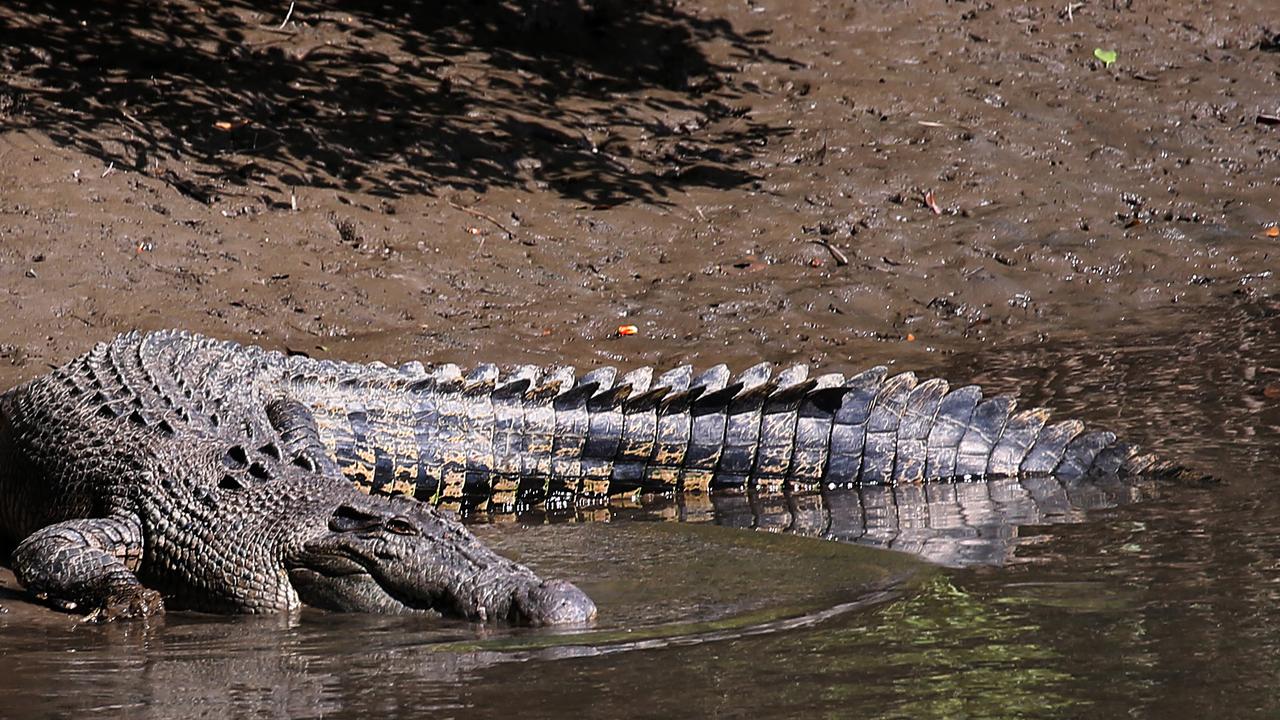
(171, 469)
(128, 486)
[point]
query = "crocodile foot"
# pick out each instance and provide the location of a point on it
(127, 604)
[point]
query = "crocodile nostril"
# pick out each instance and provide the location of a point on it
(349, 519)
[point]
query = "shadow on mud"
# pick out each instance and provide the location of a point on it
(604, 102)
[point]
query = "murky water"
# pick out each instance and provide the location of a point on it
(844, 182)
(1155, 604)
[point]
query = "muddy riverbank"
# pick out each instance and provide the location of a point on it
(738, 180)
(957, 187)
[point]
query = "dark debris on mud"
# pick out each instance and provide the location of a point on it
(605, 103)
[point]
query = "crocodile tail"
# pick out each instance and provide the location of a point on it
(531, 434)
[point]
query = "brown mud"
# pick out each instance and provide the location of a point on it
(738, 180)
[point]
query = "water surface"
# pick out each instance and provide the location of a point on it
(1156, 603)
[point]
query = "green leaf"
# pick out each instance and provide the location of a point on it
(1106, 56)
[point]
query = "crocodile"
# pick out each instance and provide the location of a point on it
(170, 470)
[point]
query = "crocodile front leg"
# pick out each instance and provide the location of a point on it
(88, 565)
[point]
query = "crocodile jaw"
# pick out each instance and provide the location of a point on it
(401, 556)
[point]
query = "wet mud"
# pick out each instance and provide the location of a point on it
(965, 188)
(738, 180)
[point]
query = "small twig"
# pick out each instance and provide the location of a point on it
(131, 118)
(483, 216)
(1071, 8)
(286, 17)
(841, 258)
(110, 168)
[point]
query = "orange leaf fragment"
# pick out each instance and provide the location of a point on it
(624, 330)
(932, 202)
(1273, 231)
(911, 337)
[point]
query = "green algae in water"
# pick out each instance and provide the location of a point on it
(950, 653)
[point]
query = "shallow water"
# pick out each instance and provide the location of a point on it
(844, 183)
(1154, 605)
(660, 587)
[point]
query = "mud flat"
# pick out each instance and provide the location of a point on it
(740, 180)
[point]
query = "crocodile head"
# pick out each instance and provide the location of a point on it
(399, 555)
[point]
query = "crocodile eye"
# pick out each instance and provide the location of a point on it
(400, 526)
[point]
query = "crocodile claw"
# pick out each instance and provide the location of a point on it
(132, 604)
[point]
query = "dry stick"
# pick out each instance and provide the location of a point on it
(841, 258)
(135, 120)
(286, 17)
(483, 216)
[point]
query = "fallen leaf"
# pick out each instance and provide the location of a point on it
(932, 202)
(911, 337)
(1273, 231)
(625, 330)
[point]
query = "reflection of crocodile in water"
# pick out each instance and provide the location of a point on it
(170, 468)
(957, 524)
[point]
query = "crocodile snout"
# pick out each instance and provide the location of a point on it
(552, 602)
(388, 554)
